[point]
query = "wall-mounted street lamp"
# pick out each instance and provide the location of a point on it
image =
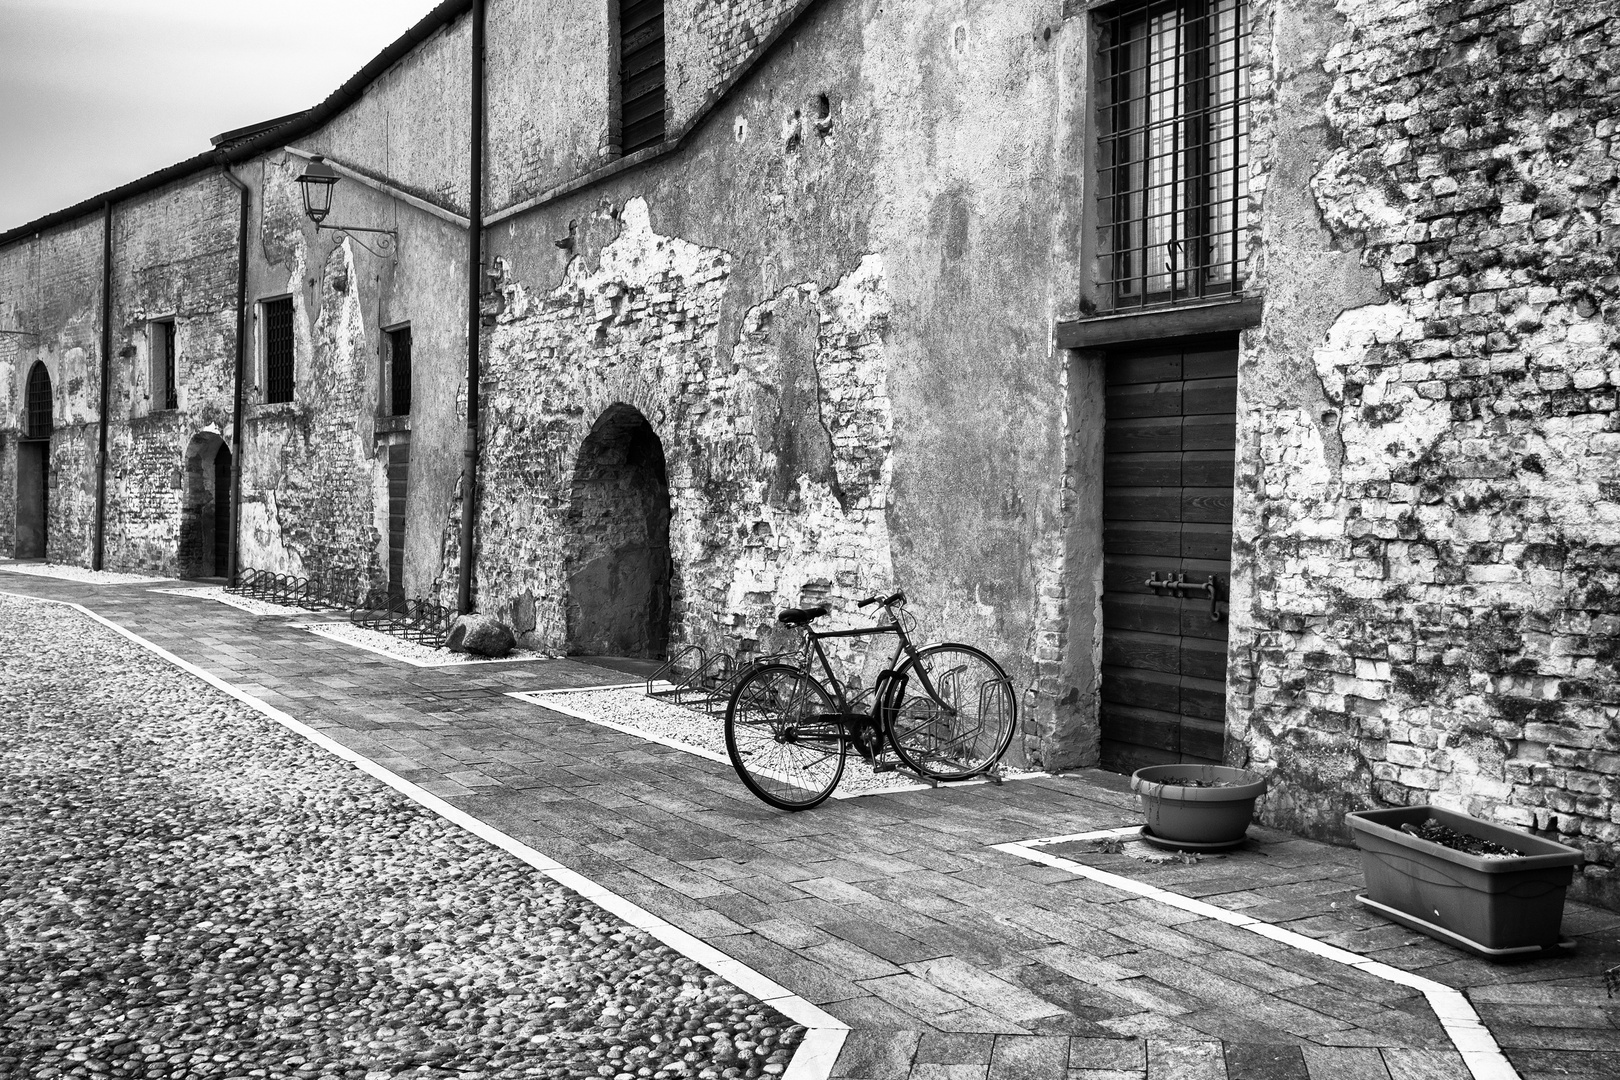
(318, 181)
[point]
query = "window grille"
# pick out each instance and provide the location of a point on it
(39, 402)
(641, 74)
(165, 341)
(278, 349)
(399, 371)
(1173, 157)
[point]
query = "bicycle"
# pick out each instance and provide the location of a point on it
(948, 711)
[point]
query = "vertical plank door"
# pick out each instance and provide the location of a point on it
(1167, 511)
(399, 471)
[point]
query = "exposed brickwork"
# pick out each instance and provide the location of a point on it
(175, 257)
(54, 292)
(1437, 608)
(311, 479)
(776, 450)
(717, 37)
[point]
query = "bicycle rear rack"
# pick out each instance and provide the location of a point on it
(420, 620)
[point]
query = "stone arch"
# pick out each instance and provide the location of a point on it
(34, 465)
(205, 508)
(616, 548)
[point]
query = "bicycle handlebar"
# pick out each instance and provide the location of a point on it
(897, 598)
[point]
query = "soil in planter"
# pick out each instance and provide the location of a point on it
(1189, 781)
(1444, 835)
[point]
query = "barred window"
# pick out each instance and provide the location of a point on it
(278, 349)
(165, 392)
(39, 402)
(1173, 156)
(641, 74)
(398, 347)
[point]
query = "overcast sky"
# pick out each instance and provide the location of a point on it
(95, 93)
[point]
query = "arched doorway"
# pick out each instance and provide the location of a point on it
(618, 564)
(205, 510)
(34, 466)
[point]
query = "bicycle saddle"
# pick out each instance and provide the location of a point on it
(801, 616)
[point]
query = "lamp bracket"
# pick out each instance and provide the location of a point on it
(387, 239)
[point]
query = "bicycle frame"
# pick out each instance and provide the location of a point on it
(846, 719)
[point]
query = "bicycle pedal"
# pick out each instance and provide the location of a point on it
(884, 766)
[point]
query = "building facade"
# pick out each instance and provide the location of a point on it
(1242, 373)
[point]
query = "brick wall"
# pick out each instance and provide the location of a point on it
(776, 449)
(174, 256)
(1432, 525)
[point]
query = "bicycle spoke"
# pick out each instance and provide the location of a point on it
(780, 745)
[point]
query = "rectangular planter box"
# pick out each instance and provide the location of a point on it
(1493, 907)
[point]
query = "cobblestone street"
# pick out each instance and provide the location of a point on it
(898, 914)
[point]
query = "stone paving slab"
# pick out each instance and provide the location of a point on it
(946, 957)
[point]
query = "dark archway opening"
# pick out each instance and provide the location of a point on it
(34, 467)
(205, 510)
(618, 564)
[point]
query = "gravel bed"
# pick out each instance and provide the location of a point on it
(191, 890)
(658, 719)
(78, 573)
(410, 651)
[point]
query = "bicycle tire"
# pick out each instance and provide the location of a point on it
(932, 741)
(782, 752)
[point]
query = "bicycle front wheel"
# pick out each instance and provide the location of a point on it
(964, 726)
(783, 737)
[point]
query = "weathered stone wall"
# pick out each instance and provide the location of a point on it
(411, 126)
(708, 41)
(775, 455)
(838, 329)
(174, 256)
(54, 292)
(1429, 441)
(314, 470)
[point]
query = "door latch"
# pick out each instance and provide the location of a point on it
(1180, 588)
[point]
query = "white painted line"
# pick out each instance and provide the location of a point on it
(530, 695)
(581, 714)
(824, 1033)
(1479, 1050)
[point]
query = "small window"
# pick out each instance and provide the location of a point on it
(1173, 156)
(165, 392)
(278, 349)
(397, 363)
(641, 74)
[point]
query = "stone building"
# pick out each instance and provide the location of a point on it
(1243, 372)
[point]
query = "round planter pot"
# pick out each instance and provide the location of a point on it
(1204, 817)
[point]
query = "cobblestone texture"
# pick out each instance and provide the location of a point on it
(191, 890)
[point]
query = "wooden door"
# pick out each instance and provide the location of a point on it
(1167, 519)
(399, 472)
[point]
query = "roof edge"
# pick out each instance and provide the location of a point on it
(301, 124)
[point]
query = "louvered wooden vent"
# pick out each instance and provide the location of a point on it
(641, 73)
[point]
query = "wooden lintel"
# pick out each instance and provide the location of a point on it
(1105, 330)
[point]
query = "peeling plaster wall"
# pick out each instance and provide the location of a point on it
(174, 257)
(314, 488)
(53, 289)
(411, 125)
(1427, 508)
(552, 80)
(840, 332)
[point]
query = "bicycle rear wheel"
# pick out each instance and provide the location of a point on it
(783, 737)
(965, 726)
